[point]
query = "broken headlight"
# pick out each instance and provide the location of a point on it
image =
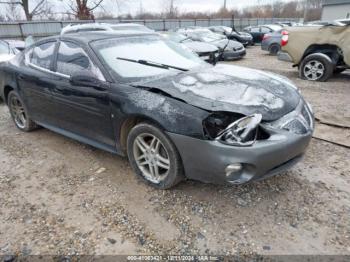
(243, 131)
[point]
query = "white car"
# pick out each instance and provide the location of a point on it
(104, 27)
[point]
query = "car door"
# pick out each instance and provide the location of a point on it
(264, 30)
(255, 32)
(82, 110)
(35, 82)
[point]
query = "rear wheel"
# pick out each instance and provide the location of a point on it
(154, 157)
(274, 49)
(316, 67)
(19, 113)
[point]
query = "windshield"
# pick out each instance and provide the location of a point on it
(150, 48)
(227, 29)
(275, 27)
(178, 38)
(206, 35)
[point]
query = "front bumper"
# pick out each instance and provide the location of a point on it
(233, 55)
(207, 160)
(247, 41)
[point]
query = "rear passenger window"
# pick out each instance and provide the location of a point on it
(72, 59)
(42, 55)
(255, 30)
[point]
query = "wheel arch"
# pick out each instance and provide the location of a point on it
(7, 90)
(128, 123)
(331, 50)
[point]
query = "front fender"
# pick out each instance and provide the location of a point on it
(171, 114)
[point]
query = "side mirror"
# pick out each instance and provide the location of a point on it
(87, 80)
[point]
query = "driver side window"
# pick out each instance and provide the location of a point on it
(72, 59)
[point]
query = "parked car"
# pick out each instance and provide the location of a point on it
(272, 42)
(172, 114)
(318, 51)
(229, 49)
(75, 28)
(9, 48)
(244, 38)
(205, 51)
(258, 32)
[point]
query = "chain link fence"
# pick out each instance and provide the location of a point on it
(20, 30)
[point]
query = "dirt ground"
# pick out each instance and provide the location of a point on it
(58, 196)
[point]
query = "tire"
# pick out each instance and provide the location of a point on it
(316, 67)
(19, 113)
(157, 151)
(274, 49)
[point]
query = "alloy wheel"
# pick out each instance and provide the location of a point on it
(314, 70)
(18, 113)
(151, 157)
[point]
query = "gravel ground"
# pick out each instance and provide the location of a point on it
(58, 196)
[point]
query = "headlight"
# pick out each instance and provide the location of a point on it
(242, 132)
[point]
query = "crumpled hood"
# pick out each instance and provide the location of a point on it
(229, 44)
(200, 47)
(232, 88)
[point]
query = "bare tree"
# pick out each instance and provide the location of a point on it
(83, 9)
(170, 10)
(13, 12)
(40, 7)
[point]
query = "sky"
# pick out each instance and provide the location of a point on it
(134, 6)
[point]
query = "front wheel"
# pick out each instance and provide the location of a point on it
(19, 113)
(154, 157)
(316, 67)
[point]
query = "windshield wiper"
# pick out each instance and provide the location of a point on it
(154, 64)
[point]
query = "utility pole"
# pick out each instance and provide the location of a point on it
(306, 8)
(171, 8)
(225, 5)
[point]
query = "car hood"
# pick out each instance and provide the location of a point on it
(200, 47)
(229, 44)
(231, 88)
(6, 57)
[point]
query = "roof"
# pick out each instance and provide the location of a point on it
(100, 27)
(335, 2)
(87, 37)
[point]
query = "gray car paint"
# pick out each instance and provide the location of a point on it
(222, 81)
(265, 158)
(274, 39)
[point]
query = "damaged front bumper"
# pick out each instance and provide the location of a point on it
(209, 161)
(212, 161)
(233, 55)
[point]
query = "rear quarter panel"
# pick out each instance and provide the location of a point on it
(300, 38)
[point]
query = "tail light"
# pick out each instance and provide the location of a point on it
(285, 36)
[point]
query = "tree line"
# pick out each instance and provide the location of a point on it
(94, 9)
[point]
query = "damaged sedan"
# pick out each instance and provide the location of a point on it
(174, 116)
